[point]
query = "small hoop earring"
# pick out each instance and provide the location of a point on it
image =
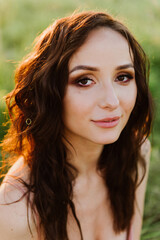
(28, 121)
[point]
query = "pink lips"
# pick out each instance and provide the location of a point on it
(107, 122)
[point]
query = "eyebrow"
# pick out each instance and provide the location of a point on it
(85, 67)
(125, 66)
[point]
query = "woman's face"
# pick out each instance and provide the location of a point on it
(101, 90)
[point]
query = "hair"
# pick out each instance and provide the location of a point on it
(36, 131)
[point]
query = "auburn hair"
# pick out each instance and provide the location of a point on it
(36, 130)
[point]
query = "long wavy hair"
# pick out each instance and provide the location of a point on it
(36, 129)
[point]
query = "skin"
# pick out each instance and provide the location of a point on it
(109, 90)
(109, 93)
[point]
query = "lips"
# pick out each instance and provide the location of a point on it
(107, 122)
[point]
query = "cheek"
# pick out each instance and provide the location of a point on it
(128, 100)
(77, 101)
(75, 107)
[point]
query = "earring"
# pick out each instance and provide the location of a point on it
(28, 121)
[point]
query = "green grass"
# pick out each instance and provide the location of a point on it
(22, 20)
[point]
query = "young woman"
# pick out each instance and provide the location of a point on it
(80, 114)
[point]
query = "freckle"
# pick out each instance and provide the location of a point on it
(11, 229)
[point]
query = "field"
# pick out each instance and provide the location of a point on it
(22, 20)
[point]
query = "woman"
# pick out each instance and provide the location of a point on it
(80, 115)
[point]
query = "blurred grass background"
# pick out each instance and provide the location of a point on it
(22, 20)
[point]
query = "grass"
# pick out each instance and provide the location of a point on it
(21, 21)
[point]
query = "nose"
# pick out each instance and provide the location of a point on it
(108, 97)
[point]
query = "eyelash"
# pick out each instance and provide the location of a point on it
(82, 79)
(128, 76)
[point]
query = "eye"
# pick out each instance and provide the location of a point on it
(84, 82)
(124, 78)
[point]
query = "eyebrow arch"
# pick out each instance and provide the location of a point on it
(84, 67)
(125, 66)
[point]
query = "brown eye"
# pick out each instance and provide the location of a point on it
(124, 78)
(85, 82)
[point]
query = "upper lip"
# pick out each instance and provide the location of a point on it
(108, 119)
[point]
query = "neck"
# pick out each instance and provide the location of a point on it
(83, 155)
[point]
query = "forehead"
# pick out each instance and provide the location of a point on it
(103, 46)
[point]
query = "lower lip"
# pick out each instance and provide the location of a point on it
(104, 124)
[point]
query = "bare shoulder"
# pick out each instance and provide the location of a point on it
(13, 208)
(141, 189)
(146, 150)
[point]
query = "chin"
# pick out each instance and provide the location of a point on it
(108, 140)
